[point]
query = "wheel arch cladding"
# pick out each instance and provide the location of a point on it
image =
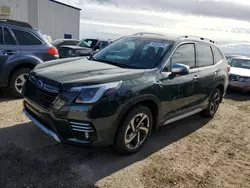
(151, 104)
(20, 66)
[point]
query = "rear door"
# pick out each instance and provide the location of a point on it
(9, 51)
(208, 72)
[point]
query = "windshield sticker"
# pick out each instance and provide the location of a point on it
(159, 45)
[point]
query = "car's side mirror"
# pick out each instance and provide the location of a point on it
(180, 69)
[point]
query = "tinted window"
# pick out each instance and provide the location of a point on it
(25, 38)
(1, 36)
(8, 39)
(128, 52)
(103, 44)
(217, 56)
(184, 55)
(89, 43)
(204, 55)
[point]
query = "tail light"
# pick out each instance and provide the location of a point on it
(228, 68)
(53, 51)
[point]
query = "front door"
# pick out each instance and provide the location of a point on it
(179, 93)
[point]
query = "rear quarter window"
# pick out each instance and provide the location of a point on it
(25, 38)
(204, 55)
(217, 55)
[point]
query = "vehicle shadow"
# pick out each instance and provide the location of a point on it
(44, 163)
(237, 95)
(5, 96)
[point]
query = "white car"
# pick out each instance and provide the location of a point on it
(240, 73)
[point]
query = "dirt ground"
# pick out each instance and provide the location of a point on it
(193, 152)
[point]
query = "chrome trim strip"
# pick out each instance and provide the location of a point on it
(37, 123)
(75, 123)
(81, 130)
(88, 128)
(183, 116)
(78, 141)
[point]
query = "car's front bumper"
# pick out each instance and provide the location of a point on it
(73, 124)
(244, 86)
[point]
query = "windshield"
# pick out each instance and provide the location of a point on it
(88, 43)
(134, 52)
(240, 63)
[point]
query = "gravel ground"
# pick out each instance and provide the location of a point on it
(193, 152)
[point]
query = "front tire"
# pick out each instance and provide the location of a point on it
(17, 81)
(214, 104)
(134, 130)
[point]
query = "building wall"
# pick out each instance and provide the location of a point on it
(49, 17)
(19, 9)
(56, 20)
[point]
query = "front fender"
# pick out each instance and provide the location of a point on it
(136, 100)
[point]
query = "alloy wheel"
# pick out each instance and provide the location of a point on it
(137, 131)
(19, 82)
(215, 102)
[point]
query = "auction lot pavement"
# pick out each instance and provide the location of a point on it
(193, 152)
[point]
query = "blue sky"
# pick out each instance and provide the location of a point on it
(226, 21)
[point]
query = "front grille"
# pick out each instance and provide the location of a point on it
(233, 77)
(43, 98)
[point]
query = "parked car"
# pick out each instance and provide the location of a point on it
(60, 42)
(21, 49)
(85, 47)
(240, 73)
(124, 91)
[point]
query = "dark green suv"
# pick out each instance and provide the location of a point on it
(123, 92)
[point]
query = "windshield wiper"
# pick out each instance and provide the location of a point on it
(112, 63)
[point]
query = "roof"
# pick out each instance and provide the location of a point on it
(65, 4)
(175, 38)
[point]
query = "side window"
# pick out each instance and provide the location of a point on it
(25, 38)
(217, 55)
(185, 54)
(1, 35)
(204, 55)
(8, 39)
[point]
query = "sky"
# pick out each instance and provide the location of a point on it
(225, 21)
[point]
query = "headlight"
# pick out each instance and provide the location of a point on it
(91, 94)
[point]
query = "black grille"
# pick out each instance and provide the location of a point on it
(39, 96)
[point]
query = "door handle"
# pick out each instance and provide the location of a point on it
(9, 52)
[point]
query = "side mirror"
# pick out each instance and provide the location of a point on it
(180, 69)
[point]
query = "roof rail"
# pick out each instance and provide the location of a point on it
(199, 38)
(17, 23)
(147, 33)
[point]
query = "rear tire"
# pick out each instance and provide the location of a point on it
(214, 104)
(134, 130)
(17, 81)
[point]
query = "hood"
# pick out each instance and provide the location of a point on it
(83, 71)
(240, 71)
(75, 47)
